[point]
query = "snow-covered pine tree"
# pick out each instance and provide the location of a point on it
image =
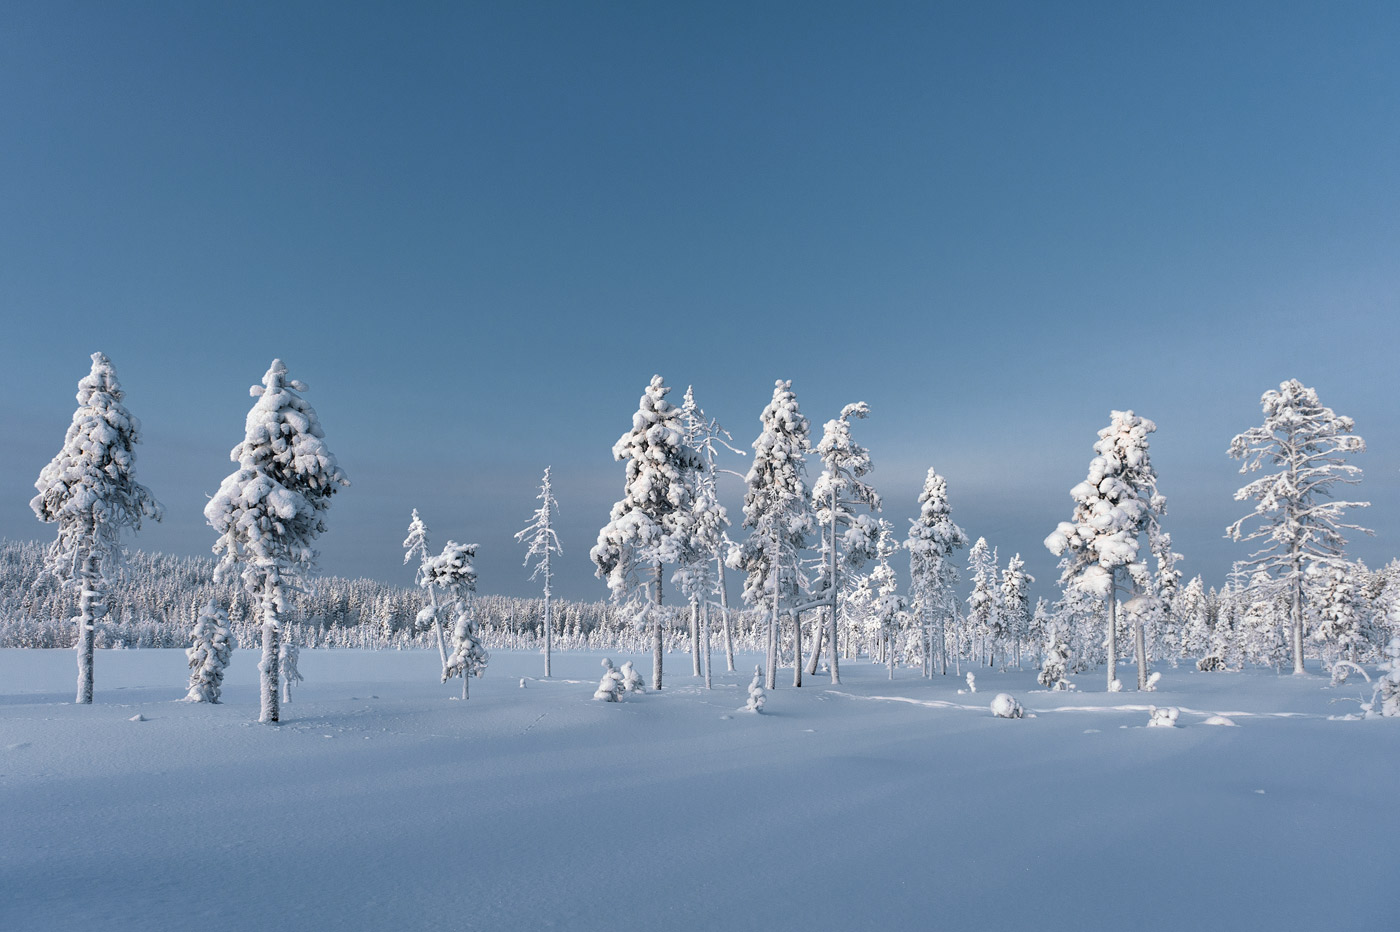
(416, 545)
(1194, 639)
(1015, 602)
(1338, 626)
(1385, 701)
(89, 490)
(778, 514)
(838, 491)
(541, 541)
(1298, 523)
(757, 697)
(933, 538)
(209, 652)
(268, 512)
(650, 525)
(982, 602)
(610, 686)
(454, 573)
(1054, 669)
(705, 435)
(1114, 506)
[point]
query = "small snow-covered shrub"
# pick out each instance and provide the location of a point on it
(631, 679)
(1116, 686)
(1163, 717)
(287, 656)
(1005, 706)
(610, 686)
(1152, 681)
(209, 653)
(1211, 663)
(1385, 700)
(971, 682)
(757, 697)
(1054, 669)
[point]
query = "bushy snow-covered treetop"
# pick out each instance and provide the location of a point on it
(269, 510)
(1309, 442)
(776, 508)
(1113, 506)
(649, 523)
(89, 488)
(933, 535)
(452, 570)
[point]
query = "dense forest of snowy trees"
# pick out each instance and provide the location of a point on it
(818, 555)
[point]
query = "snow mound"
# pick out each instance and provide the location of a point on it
(138, 717)
(1005, 706)
(1219, 720)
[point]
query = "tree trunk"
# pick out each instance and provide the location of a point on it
(724, 619)
(695, 637)
(269, 669)
(90, 609)
(705, 641)
(548, 626)
(656, 649)
(818, 641)
(1140, 652)
(1298, 668)
(437, 627)
(1112, 645)
(797, 649)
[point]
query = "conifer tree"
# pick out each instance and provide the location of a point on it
(650, 525)
(89, 490)
(541, 542)
(778, 514)
(933, 539)
(209, 653)
(270, 510)
(1114, 506)
(416, 545)
(1295, 517)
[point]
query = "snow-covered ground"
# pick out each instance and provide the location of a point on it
(383, 803)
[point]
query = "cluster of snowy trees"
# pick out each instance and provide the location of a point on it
(819, 583)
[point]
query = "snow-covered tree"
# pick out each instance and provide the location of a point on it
(268, 512)
(932, 541)
(1015, 601)
(209, 652)
(778, 514)
(1295, 518)
(416, 545)
(711, 541)
(838, 491)
(631, 679)
(454, 572)
(982, 602)
(288, 655)
(1339, 627)
(1114, 506)
(541, 542)
(1194, 639)
(610, 687)
(1386, 699)
(89, 490)
(1054, 669)
(757, 697)
(650, 525)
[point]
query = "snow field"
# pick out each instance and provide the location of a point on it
(383, 803)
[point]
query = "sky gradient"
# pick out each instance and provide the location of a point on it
(476, 230)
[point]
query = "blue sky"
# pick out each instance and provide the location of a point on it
(476, 230)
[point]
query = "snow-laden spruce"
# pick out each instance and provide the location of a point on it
(416, 545)
(1295, 518)
(932, 541)
(706, 532)
(1014, 604)
(838, 491)
(778, 514)
(757, 696)
(270, 510)
(610, 687)
(288, 660)
(1114, 507)
(705, 435)
(631, 679)
(542, 542)
(454, 573)
(1054, 669)
(209, 652)
(984, 601)
(90, 491)
(650, 525)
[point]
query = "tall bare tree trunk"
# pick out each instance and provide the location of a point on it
(269, 668)
(90, 608)
(1298, 615)
(724, 619)
(705, 641)
(796, 649)
(1112, 628)
(548, 631)
(695, 637)
(656, 649)
(1140, 652)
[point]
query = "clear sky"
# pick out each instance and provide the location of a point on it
(476, 230)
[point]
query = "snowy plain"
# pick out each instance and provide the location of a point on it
(382, 802)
